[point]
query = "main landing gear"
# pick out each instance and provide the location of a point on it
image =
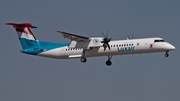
(166, 54)
(83, 59)
(108, 62)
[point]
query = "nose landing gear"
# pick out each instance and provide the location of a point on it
(166, 54)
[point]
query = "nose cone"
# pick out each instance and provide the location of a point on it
(171, 47)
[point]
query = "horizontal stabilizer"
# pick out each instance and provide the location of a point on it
(21, 25)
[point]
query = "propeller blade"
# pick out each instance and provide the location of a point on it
(103, 34)
(106, 41)
(104, 45)
(132, 36)
(107, 34)
(108, 46)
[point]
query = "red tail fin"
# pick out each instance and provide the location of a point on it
(23, 30)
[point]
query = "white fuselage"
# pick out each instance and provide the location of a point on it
(119, 47)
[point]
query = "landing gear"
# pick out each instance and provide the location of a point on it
(108, 62)
(83, 59)
(166, 54)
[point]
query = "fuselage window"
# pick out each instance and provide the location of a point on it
(127, 44)
(124, 44)
(114, 45)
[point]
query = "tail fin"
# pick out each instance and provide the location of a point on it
(26, 36)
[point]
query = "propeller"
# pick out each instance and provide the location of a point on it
(131, 37)
(106, 41)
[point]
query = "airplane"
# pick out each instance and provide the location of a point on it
(84, 47)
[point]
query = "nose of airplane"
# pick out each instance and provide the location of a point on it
(171, 47)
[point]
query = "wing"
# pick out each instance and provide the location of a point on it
(74, 37)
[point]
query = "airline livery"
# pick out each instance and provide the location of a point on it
(83, 47)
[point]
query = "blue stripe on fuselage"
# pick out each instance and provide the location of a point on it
(25, 43)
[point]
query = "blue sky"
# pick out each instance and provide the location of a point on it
(150, 77)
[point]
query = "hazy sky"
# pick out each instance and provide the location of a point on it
(146, 77)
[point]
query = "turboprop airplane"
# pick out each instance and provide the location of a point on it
(83, 47)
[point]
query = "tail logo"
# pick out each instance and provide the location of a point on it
(24, 30)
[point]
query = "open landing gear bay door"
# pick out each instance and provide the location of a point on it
(81, 41)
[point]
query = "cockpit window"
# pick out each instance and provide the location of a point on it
(156, 41)
(159, 41)
(162, 40)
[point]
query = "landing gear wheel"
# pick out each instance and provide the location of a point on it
(166, 55)
(83, 59)
(108, 63)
